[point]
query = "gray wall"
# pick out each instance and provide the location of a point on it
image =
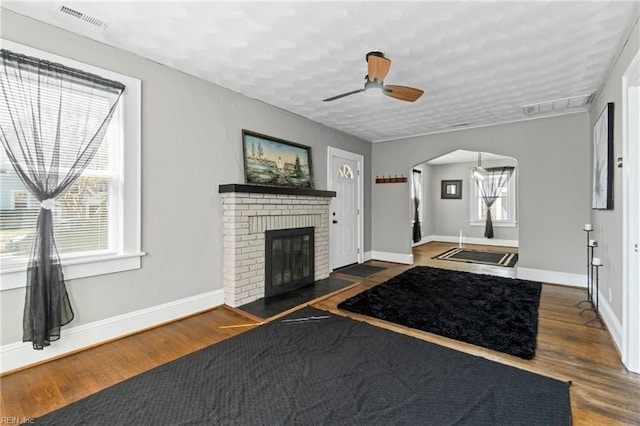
(553, 162)
(608, 223)
(191, 143)
(451, 216)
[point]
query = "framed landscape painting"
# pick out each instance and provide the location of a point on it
(271, 161)
(602, 197)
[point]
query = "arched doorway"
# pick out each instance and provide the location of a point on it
(448, 203)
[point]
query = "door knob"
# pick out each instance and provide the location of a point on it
(335, 221)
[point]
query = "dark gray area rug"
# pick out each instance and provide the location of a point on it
(484, 257)
(493, 312)
(313, 367)
(361, 270)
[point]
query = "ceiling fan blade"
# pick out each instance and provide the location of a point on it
(377, 67)
(403, 93)
(343, 95)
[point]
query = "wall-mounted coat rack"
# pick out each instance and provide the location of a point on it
(391, 179)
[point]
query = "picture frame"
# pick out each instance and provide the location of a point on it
(451, 189)
(270, 161)
(602, 190)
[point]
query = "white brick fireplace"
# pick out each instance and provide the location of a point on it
(249, 211)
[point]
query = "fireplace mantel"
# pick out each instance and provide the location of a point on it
(258, 189)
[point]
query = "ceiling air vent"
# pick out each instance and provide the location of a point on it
(73, 15)
(557, 105)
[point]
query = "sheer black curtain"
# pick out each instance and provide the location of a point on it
(417, 190)
(494, 180)
(52, 121)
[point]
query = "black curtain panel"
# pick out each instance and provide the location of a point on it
(495, 179)
(52, 121)
(417, 190)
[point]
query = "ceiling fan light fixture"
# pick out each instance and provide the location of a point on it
(373, 87)
(377, 69)
(373, 91)
(478, 173)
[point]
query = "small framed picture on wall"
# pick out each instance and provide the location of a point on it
(451, 189)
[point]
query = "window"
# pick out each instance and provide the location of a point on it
(416, 195)
(97, 221)
(416, 205)
(345, 172)
(503, 210)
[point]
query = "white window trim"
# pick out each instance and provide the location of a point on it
(128, 256)
(496, 223)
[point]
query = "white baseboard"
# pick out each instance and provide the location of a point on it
(554, 277)
(21, 354)
(389, 257)
(578, 280)
(471, 240)
(613, 324)
(424, 240)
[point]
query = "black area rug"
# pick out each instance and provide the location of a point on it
(362, 271)
(495, 258)
(330, 370)
(492, 312)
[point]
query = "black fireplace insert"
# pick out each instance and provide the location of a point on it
(289, 262)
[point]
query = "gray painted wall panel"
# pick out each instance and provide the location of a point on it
(607, 224)
(191, 143)
(552, 155)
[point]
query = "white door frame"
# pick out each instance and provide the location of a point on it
(630, 212)
(331, 151)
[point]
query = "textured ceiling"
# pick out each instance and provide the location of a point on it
(478, 62)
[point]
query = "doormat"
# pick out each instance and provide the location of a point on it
(362, 271)
(495, 258)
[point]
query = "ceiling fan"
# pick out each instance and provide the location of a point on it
(377, 69)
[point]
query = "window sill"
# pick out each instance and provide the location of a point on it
(495, 224)
(77, 268)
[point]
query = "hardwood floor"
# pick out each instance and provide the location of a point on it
(603, 392)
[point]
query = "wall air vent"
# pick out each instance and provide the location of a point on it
(75, 16)
(558, 105)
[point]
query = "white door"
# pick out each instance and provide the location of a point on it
(345, 220)
(631, 215)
